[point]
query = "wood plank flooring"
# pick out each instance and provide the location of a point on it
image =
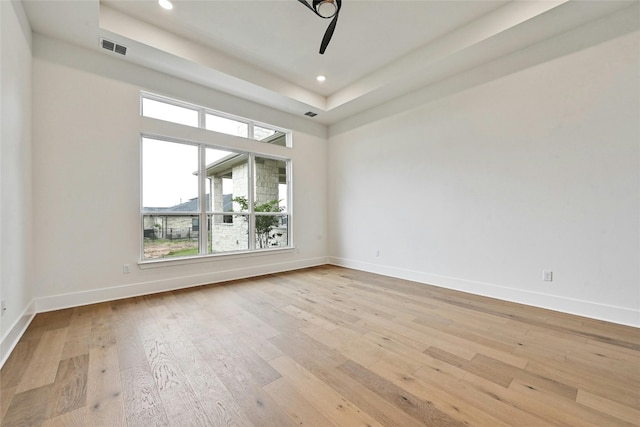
(325, 346)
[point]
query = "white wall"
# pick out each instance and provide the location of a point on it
(484, 189)
(86, 163)
(15, 175)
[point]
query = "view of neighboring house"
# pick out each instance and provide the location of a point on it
(160, 225)
(228, 232)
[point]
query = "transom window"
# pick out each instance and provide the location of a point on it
(172, 110)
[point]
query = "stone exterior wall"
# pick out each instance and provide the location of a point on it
(229, 237)
(233, 236)
(266, 180)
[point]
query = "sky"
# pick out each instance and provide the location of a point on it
(169, 172)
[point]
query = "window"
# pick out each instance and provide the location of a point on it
(200, 200)
(172, 110)
(228, 126)
(270, 136)
(169, 112)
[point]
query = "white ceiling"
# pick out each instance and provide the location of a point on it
(283, 37)
(267, 50)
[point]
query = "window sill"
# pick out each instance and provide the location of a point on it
(159, 263)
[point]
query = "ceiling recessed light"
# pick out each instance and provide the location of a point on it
(166, 4)
(321, 78)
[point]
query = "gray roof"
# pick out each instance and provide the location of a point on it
(192, 205)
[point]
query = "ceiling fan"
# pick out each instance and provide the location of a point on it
(325, 9)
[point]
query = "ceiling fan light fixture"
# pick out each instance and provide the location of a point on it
(326, 8)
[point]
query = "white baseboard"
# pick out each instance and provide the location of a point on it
(75, 299)
(15, 332)
(620, 315)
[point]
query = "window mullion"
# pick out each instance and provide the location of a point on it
(201, 118)
(251, 198)
(250, 131)
(289, 204)
(202, 193)
(202, 198)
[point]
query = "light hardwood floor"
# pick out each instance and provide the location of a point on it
(325, 346)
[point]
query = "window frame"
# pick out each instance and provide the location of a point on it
(203, 214)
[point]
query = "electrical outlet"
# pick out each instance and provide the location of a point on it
(3, 306)
(126, 268)
(547, 275)
(378, 253)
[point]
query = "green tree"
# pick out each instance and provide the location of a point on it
(264, 223)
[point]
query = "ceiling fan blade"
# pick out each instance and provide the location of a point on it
(327, 35)
(308, 5)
